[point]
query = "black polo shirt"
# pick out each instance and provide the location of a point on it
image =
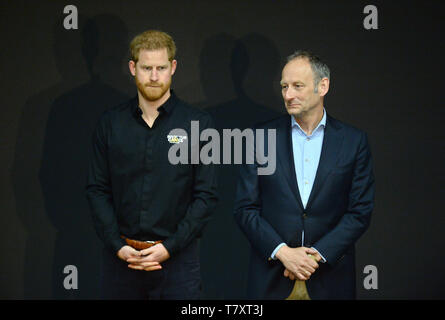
(134, 190)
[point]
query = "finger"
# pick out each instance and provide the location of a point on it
(302, 277)
(142, 262)
(149, 264)
(286, 273)
(292, 276)
(315, 264)
(159, 267)
(311, 262)
(312, 269)
(137, 260)
(310, 251)
(148, 267)
(132, 252)
(316, 257)
(313, 257)
(141, 259)
(147, 251)
(136, 267)
(305, 272)
(134, 259)
(308, 269)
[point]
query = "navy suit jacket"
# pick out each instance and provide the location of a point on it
(269, 211)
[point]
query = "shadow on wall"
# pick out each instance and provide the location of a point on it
(49, 171)
(250, 62)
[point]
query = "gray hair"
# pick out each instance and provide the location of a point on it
(320, 69)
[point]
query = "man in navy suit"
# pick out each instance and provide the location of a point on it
(303, 220)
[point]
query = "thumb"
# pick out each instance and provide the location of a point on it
(146, 252)
(133, 252)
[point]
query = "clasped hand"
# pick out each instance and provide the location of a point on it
(148, 259)
(299, 263)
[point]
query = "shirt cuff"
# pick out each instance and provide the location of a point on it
(276, 250)
(322, 258)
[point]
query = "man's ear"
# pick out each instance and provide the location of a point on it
(174, 64)
(132, 67)
(323, 87)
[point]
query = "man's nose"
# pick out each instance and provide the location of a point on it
(154, 75)
(289, 94)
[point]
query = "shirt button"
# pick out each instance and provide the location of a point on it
(306, 182)
(306, 160)
(307, 139)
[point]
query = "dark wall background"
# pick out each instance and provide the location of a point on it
(56, 82)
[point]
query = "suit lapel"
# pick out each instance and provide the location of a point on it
(286, 156)
(332, 142)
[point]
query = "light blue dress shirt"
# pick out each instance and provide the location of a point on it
(307, 151)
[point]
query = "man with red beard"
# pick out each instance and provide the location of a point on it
(148, 212)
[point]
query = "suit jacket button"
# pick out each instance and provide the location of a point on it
(304, 215)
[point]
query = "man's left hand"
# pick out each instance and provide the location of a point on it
(292, 276)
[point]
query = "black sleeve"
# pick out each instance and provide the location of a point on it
(98, 189)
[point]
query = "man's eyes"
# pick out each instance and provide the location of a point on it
(159, 68)
(285, 86)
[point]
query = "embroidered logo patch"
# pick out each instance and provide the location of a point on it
(176, 139)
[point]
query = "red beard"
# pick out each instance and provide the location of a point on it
(152, 93)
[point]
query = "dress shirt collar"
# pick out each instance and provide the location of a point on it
(322, 123)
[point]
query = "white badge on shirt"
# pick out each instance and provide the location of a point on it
(176, 139)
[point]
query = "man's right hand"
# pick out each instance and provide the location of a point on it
(127, 252)
(297, 261)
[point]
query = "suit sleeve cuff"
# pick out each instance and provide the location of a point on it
(276, 250)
